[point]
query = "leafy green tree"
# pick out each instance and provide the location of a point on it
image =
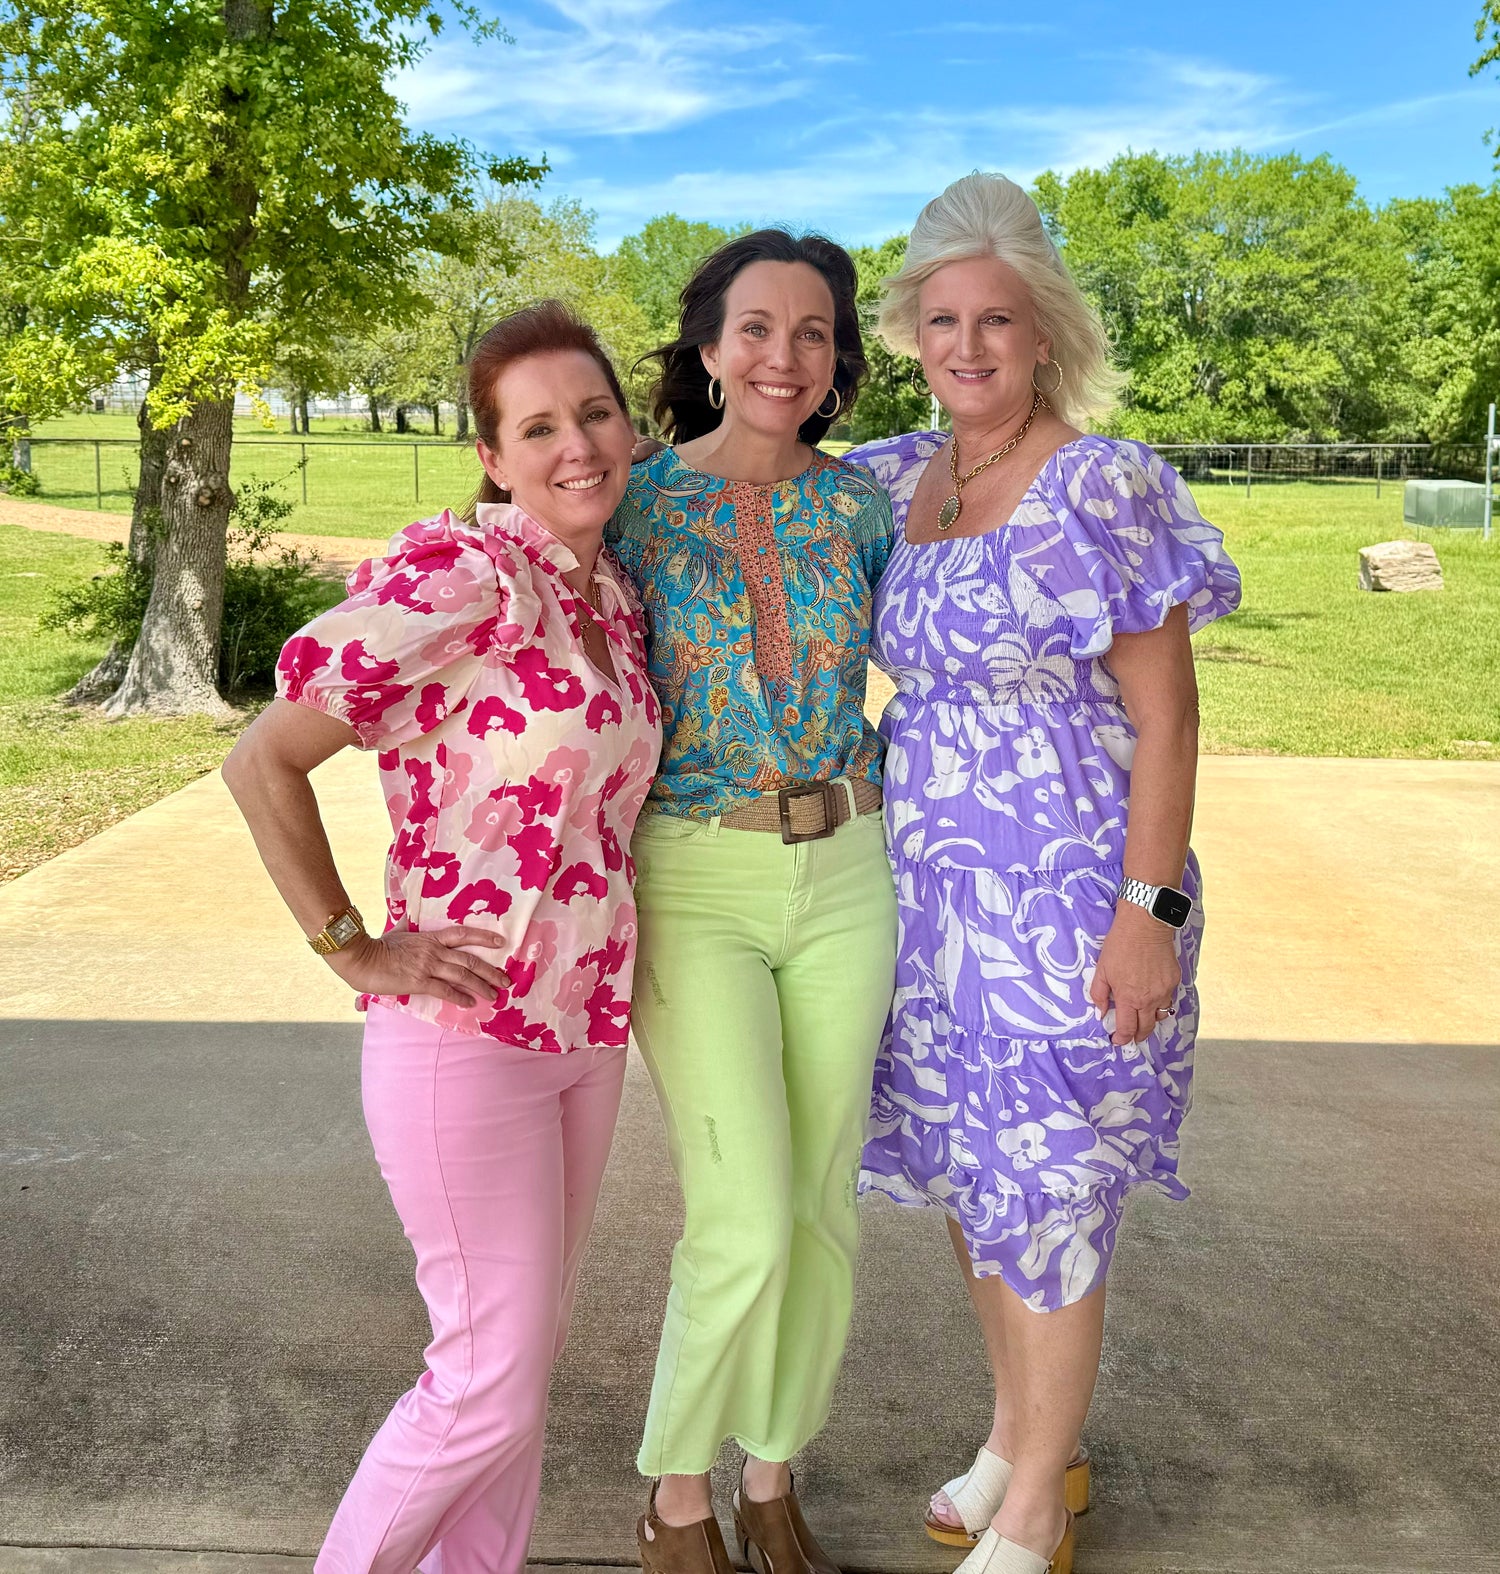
(895, 399)
(74, 314)
(466, 291)
(1487, 32)
(46, 362)
(514, 251)
(1247, 297)
(304, 368)
(366, 360)
(1451, 249)
(247, 163)
(653, 265)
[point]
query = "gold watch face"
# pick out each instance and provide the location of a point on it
(343, 929)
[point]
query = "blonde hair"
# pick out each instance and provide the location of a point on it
(985, 215)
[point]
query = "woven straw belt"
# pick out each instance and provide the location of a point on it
(804, 811)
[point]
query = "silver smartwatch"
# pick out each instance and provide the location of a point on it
(1165, 902)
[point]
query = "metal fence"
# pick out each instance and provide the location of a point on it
(1380, 464)
(88, 472)
(101, 472)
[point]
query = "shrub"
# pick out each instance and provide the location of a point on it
(16, 481)
(269, 593)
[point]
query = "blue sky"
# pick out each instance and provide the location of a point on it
(849, 116)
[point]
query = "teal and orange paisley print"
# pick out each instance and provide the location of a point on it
(758, 603)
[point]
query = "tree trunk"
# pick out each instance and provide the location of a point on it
(461, 418)
(20, 447)
(145, 526)
(374, 412)
(401, 419)
(174, 667)
(437, 420)
(302, 399)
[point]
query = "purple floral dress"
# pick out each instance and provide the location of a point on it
(998, 1095)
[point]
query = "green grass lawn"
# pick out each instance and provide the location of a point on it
(117, 426)
(66, 774)
(1310, 664)
(354, 483)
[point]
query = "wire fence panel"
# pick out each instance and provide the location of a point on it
(435, 475)
(84, 472)
(1249, 464)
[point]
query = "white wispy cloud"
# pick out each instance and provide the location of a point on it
(603, 68)
(995, 29)
(1180, 105)
(794, 129)
(862, 176)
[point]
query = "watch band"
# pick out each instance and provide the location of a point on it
(1165, 903)
(341, 928)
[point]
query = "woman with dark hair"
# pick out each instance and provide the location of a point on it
(497, 664)
(766, 903)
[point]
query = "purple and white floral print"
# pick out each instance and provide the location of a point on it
(998, 1095)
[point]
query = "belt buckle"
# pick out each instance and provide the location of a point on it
(825, 790)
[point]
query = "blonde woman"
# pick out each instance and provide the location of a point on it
(1041, 751)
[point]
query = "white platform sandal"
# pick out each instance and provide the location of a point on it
(995, 1555)
(977, 1494)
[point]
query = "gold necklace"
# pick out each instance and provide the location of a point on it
(593, 609)
(949, 512)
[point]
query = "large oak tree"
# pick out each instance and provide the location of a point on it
(245, 165)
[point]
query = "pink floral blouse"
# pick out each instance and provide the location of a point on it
(512, 768)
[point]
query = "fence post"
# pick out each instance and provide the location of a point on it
(1490, 444)
(416, 474)
(304, 472)
(1248, 453)
(98, 478)
(1377, 474)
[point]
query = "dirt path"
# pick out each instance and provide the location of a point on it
(338, 554)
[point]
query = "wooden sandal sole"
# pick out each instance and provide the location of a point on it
(1076, 1485)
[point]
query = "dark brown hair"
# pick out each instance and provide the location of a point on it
(534, 330)
(679, 401)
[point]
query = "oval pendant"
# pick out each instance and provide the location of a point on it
(948, 513)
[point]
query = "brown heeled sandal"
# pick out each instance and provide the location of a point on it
(774, 1538)
(680, 1549)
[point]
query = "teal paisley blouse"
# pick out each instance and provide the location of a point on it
(758, 604)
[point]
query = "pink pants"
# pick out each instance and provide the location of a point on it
(493, 1156)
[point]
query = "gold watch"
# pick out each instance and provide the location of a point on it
(338, 931)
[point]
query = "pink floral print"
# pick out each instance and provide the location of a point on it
(513, 770)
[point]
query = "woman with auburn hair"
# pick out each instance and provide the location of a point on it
(1041, 752)
(767, 913)
(496, 662)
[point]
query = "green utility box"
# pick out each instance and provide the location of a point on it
(1456, 504)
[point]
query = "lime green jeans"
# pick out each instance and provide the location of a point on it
(762, 983)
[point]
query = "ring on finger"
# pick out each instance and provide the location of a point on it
(1163, 1012)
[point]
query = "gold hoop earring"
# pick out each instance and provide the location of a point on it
(838, 404)
(1047, 393)
(713, 383)
(918, 381)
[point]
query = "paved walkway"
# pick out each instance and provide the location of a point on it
(205, 1302)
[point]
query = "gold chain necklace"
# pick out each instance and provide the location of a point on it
(593, 610)
(949, 512)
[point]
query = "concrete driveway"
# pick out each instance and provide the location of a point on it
(206, 1303)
